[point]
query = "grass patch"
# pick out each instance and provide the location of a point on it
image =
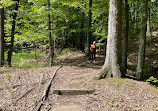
(25, 60)
(17, 56)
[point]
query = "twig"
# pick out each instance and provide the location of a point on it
(24, 93)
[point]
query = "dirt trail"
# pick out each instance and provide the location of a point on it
(110, 94)
(77, 73)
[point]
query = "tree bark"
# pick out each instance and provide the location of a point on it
(89, 29)
(2, 36)
(113, 63)
(64, 36)
(125, 38)
(148, 24)
(12, 34)
(51, 51)
(82, 33)
(142, 41)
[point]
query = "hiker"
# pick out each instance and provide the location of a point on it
(93, 51)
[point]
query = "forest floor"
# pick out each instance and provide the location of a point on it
(79, 73)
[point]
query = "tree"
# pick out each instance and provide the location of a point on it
(1, 36)
(125, 38)
(142, 41)
(148, 24)
(82, 32)
(112, 65)
(50, 35)
(89, 28)
(12, 33)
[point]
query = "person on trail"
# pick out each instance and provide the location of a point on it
(93, 51)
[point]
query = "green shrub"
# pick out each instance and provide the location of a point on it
(153, 81)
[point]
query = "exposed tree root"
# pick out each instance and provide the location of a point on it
(103, 73)
(46, 91)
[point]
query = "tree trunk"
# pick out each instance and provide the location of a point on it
(89, 29)
(12, 34)
(112, 65)
(64, 36)
(132, 23)
(82, 33)
(136, 19)
(50, 35)
(2, 36)
(125, 38)
(148, 24)
(142, 41)
(73, 40)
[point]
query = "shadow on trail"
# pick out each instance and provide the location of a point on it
(82, 62)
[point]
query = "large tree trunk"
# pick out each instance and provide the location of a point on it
(51, 52)
(89, 29)
(1, 36)
(125, 38)
(112, 66)
(12, 34)
(142, 41)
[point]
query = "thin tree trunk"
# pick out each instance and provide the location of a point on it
(113, 63)
(50, 35)
(125, 38)
(136, 20)
(89, 28)
(12, 34)
(82, 33)
(2, 36)
(148, 24)
(64, 36)
(142, 41)
(73, 40)
(132, 34)
(35, 48)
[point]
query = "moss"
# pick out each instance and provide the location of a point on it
(124, 84)
(110, 81)
(119, 84)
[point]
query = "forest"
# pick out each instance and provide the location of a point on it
(39, 38)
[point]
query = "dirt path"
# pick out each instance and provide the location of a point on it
(71, 78)
(110, 94)
(77, 73)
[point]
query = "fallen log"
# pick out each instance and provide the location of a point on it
(73, 91)
(46, 91)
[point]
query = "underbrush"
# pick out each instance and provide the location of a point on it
(67, 52)
(26, 60)
(40, 59)
(153, 81)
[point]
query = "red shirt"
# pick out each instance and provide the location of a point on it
(93, 48)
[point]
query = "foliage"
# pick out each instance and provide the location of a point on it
(153, 81)
(68, 22)
(5, 3)
(26, 60)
